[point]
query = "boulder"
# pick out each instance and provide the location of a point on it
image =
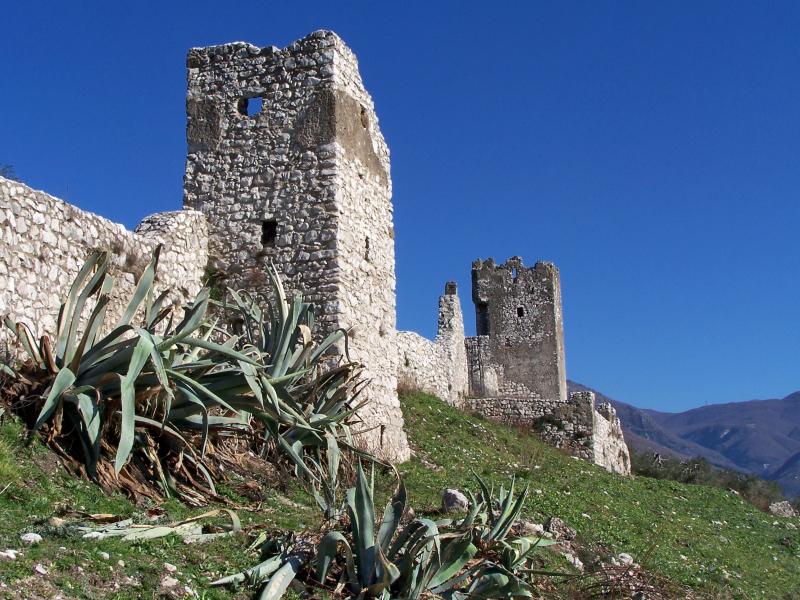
(454, 501)
(559, 529)
(782, 509)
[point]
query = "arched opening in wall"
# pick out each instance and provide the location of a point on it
(250, 107)
(482, 318)
(269, 232)
(520, 311)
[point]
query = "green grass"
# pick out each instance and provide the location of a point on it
(697, 536)
(39, 489)
(703, 537)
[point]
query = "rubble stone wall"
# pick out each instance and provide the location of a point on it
(437, 367)
(44, 242)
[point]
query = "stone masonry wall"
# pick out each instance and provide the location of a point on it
(303, 183)
(44, 242)
(437, 367)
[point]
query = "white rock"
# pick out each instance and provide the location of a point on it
(624, 558)
(454, 500)
(9, 554)
(169, 582)
(170, 568)
(41, 570)
(105, 555)
(30, 538)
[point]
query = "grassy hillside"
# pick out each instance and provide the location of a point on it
(705, 538)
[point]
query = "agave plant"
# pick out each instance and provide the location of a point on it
(422, 559)
(308, 393)
(146, 393)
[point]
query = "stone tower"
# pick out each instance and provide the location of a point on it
(288, 164)
(516, 362)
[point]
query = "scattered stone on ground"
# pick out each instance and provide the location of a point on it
(559, 529)
(530, 528)
(782, 509)
(454, 501)
(30, 538)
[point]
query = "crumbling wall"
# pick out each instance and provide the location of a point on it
(437, 367)
(44, 242)
(610, 449)
(570, 425)
(303, 183)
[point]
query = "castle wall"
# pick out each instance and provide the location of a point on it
(44, 242)
(304, 183)
(437, 367)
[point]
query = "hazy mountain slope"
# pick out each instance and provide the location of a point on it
(759, 436)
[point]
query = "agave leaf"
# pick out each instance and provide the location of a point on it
(25, 337)
(509, 514)
(158, 365)
(193, 316)
(139, 358)
(455, 556)
(143, 288)
(66, 316)
(90, 414)
(63, 380)
(279, 582)
(326, 554)
(200, 388)
(363, 522)
(92, 328)
(391, 516)
(296, 458)
(95, 283)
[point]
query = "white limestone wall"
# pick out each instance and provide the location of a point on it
(44, 242)
(436, 367)
(610, 449)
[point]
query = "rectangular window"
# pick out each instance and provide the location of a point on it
(482, 318)
(269, 232)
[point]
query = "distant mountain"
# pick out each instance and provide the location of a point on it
(759, 436)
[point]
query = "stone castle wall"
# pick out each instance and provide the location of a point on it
(287, 165)
(303, 183)
(437, 367)
(44, 242)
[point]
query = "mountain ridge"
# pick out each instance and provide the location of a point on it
(760, 437)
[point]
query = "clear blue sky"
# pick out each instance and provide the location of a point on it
(651, 150)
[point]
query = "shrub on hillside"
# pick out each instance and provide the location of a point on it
(752, 488)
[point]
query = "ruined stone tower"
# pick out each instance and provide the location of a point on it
(288, 164)
(516, 362)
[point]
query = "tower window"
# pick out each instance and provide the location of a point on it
(520, 311)
(269, 232)
(482, 318)
(514, 274)
(366, 250)
(250, 107)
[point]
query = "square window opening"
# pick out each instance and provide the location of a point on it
(250, 107)
(269, 232)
